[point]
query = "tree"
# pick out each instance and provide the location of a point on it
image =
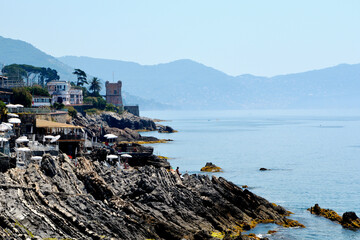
(81, 77)
(22, 96)
(3, 111)
(95, 86)
(37, 90)
(30, 73)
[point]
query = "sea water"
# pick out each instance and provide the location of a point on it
(314, 157)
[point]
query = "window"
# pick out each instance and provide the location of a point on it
(114, 91)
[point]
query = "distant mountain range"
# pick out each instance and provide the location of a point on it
(191, 85)
(20, 52)
(186, 84)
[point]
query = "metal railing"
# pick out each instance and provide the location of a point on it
(35, 110)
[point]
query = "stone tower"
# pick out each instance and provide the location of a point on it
(113, 93)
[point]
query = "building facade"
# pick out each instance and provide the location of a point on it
(39, 101)
(62, 92)
(113, 93)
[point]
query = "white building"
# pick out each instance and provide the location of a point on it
(62, 92)
(38, 101)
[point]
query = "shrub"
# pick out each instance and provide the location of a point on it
(22, 96)
(58, 106)
(71, 111)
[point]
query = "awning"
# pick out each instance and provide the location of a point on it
(50, 124)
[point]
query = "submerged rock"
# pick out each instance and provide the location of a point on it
(210, 167)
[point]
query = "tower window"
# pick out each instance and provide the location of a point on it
(115, 92)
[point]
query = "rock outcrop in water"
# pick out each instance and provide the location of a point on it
(210, 167)
(90, 201)
(348, 219)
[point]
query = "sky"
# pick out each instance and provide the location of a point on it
(258, 37)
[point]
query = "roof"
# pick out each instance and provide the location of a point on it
(35, 96)
(50, 124)
(57, 82)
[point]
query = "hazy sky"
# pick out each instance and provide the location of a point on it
(257, 37)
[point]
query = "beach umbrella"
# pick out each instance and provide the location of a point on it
(49, 137)
(12, 115)
(126, 155)
(2, 139)
(22, 139)
(19, 105)
(110, 136)
(8, 124)
(23, 149)
(112, 156)
(14, 120)
(36, 158)
(11, 105)
(54, 139)
(4, 127)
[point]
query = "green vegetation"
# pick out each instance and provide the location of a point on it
(97, 102)
(58, 106)
(71, 111)
(3, 111)
(31, 74)
(37, 90)
(92, 111)
(81, 77)
(22, 96)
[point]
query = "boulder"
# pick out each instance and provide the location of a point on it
(210, 167)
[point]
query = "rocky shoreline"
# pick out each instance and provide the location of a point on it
(90, 198)
(125, 125)
(87, 200)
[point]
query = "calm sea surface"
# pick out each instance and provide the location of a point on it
(314, 157)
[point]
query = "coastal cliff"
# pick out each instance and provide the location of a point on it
(86, 200)
(124, 125)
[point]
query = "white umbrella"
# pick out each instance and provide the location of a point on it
(14, 120)
(54, 139)
(3, 139)
(126, 155)
(19, 105)
(110, 136)
(36, 158)
(4, 127)
(12, 115)
(8, 124)
(24, 149)
(49, 137)
(22, 139)
(112, 156)
(11, 105)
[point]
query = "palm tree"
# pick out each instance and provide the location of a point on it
(95, 86)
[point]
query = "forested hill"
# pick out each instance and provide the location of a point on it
(191, 85)
(20, 52)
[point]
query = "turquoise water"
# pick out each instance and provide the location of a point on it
(314, 157)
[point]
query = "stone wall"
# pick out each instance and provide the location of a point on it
(133, 109)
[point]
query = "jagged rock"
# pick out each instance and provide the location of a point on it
(164, 129)
(48, 165)
(348, 220)
(124, 126)
(127, 120)
(91, 201)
